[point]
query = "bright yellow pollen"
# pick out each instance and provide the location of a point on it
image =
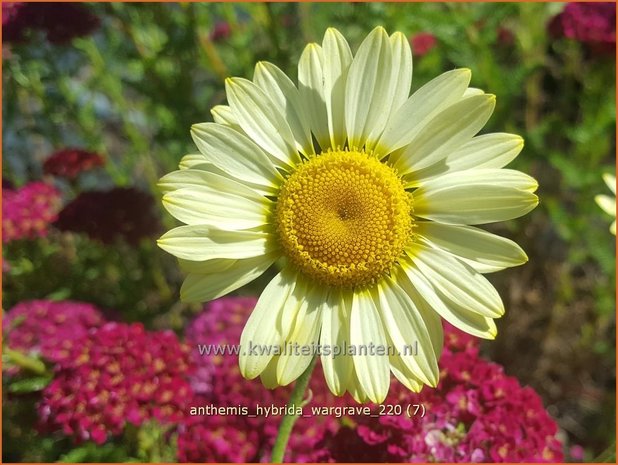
(343, 218)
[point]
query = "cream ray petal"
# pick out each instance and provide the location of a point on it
(405, 123)
(406, 327)
(457, 281)
(368, 92)
(472, 91)
(311, 89)
(192, 159)
(337, 61)
(304, 334)
(206, 287)
(268, 376)
(214, 265)
(483, 251)
(462, 318)
(430, 317)
(206, 179)
(223, 114)
(446, 132)
(404, 374)
(400, 83)
(260, 335)
(355, 389)
(372, 371)
(261, 120)
(494, 150)
(236, 154)
(476, 196)
(286, 97)
(335, 333)
(607, 204)
(204, 243)
(217, 208)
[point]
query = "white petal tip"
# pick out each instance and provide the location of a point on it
(377, 398)
(332, 30)
(248, 372)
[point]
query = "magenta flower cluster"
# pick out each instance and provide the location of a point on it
(28, 211)
(49, 328)
(477, 413)
(117, 374)
(591, 23)
(70, 162)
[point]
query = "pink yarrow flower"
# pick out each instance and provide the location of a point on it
(28, 211)
(476, 414)
(117, 374)
(49, 328)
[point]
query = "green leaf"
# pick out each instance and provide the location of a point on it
(22, 386)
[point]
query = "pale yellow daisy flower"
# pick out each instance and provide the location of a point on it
(365, 197)
(607, 203)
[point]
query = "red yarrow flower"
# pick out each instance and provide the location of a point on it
(69, 163)
(422, 43)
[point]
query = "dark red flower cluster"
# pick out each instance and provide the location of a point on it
(48, 327)
(68, 163)
(592, 23)
(116, 374)
(61, 22)
(218, 383)
(120, 213)
(476, 413)
(27, 212)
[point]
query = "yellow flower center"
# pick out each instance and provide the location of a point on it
(343, 218)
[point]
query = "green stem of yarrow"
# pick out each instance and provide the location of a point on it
(287, 423)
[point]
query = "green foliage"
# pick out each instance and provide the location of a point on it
(132, 281)
(34, 384)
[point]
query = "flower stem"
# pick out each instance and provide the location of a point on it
(287, 423)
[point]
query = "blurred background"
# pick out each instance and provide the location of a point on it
(97, 102)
